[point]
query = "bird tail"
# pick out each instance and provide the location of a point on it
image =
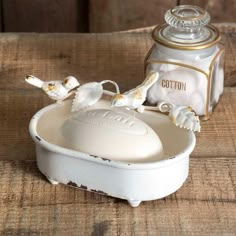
(30, 79)
(111, 82)
(150, 80)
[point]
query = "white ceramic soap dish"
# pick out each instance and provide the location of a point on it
(131, 180)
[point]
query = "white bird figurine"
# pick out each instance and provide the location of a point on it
(89, 94)
(133, 99)
(57, 89)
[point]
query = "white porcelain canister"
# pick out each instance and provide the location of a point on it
(189, 58)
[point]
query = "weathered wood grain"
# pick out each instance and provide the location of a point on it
(164, 218)
(99, 15)
(119, 56)
(88, 57)
(1, 17)
(112, 15)
(229, 41)
(218, 135)
(45, 16)
(17, 108)
(205, 205)
(220, 10)
(29, 205)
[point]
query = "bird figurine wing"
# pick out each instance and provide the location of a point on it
(87, 95)
(134, 98)
(55, 90)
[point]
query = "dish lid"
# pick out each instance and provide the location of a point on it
(186, 28)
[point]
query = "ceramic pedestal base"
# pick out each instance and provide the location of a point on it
(52, 181)
(134, 182)
(134, 203)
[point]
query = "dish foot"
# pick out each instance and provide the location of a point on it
(52, 181)
(134, 203)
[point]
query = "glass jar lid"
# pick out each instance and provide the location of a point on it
(186, 28)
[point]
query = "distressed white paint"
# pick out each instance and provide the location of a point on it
(134, 182)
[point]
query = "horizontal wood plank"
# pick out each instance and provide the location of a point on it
(118, 56)
(165, 218)
(218, 135)
(205, 205)
(88, 57)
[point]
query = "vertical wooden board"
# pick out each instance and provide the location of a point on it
(220, 10)
(44, 16)
(114, 15)
(1, 23)
(229, 40)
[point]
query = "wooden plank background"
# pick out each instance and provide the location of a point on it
(44, 15)
(29, 205)
(98, 15)
(111, 15)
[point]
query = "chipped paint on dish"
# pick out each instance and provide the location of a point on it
(134, 182)
(73, 184)
(37, 137)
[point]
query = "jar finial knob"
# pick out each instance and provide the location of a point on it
(187, 18)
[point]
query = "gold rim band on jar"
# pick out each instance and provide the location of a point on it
(185, 46)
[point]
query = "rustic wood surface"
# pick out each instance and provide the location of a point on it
(205, 205)
(29, 205)
(220, 10)
(111, 15)
(98, 15)
(44, 16)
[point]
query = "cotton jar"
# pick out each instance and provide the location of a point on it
(189, 58)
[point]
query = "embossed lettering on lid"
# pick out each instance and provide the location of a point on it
(113, 135)
(112, 120)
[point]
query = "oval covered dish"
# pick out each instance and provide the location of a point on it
(67, 152)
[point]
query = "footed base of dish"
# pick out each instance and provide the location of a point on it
(52, 181)
(134, 203)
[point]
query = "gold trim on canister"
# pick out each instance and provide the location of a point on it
(207, 75)
(186, 46)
